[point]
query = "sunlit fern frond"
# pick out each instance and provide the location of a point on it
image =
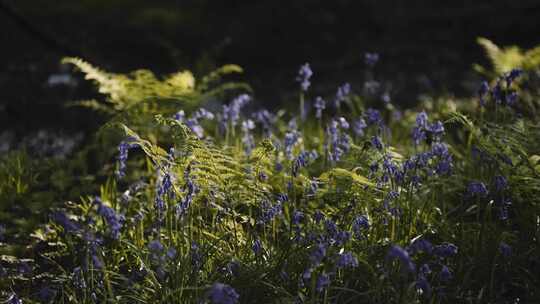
(507, 58)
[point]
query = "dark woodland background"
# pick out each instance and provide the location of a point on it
(425, 46)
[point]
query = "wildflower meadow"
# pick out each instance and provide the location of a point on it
(201, 196)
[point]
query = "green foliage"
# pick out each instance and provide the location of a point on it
(275, 210)
(505, 59)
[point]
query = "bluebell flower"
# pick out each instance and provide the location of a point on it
(505, 250)
(319, 106)
(371, 87)
(511, 98)
(376, 142)
(445, 275)
(257, 247)
(306, 276)
(482, 92)
(342, 93)
(323, 281)
(13, 299)
(304, 74)
(360, 224)
(358, 127)
(422, 284)
(445, 250)
(64, 221)
(123, 150)
(302, 161)
(396, 252)
(221, 293)
(342, 237)
(171, 253)
(318, 254)
(512, 75)
(477, 189)
(202, 113)
(267, 120)
(331, 229)
(196, 257)
(500, 183)
(114, 220)
(371, 59)
(347, 259)
(297, 217)
(269, 211)
(418, 135)
(422, 119)
(385, 97)
(373, 117)
(155, 246)
(318, 216)
(291, 138)
(421, 245)
(247, 138)
(424, 270)
(436, 129)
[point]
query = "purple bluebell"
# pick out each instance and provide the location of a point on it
(423, 285)
(123, 150)
(306, 276)
(343, 123)
(331, 229)
(445, 250)
(64, 221)
(114, 220)
(422, 119)
(346, 259)
(477, 189)
(482, 92)
(358, 127)
(376, 142)
(196, 257)
(202, 113)
(511, 98)
(266, 119)
(360, 224)
(297, 217)
(155, 246)
(257, 247)
(505, 250)
(420, 245)
(317, 254)
(318, 216)
(373, 117)
(323, 281)
(512, 75)
(13, 299)
(500, 183)
(341, 94)
(396, 252)
(497, 92)
(290, 140)
(371, 59)
(304, 74)
(319, 105)
(418, 135)
(385, 97)
(436, 129)
(247, 138)
(221, 293)
(445, 275)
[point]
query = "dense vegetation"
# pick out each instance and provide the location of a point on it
(347, 199)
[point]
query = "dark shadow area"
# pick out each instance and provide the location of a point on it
(425, 46)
